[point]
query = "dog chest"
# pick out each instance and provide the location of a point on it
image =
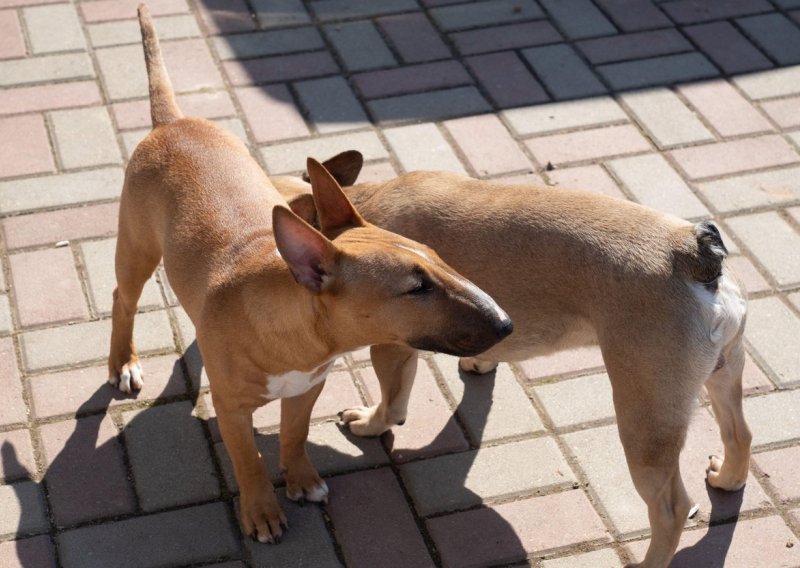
(295, 383)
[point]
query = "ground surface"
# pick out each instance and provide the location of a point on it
(521, 466)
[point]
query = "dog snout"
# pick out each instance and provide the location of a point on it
(504, 327)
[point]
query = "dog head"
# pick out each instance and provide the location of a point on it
(378, 287)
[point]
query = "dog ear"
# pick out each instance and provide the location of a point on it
(303, 206)
(344, 167)
(302, 247)
(334, 210)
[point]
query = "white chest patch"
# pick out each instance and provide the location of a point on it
(295, 383)
(723, 309)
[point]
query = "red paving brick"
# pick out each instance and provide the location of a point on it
(272, 113)
(487, 145)
(588, 145)
(136, 114)
(13, 410)
(32, 157)
(105, 10)
(63, 225)
(18, 461)
(733, 157)
(49, 97)
(12, 44)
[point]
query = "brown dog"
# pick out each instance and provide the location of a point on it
(274, 301)
(575, 268)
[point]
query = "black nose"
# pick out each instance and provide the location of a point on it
(504, 328)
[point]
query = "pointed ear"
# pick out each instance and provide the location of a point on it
(344, 167)
(334, 210)
(303, 206)
(303, 248)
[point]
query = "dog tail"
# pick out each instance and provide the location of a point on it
(163, 108)
(704, 262)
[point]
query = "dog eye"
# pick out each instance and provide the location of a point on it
(422, 287)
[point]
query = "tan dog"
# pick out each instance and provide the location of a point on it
(575, 268)
(274, 301)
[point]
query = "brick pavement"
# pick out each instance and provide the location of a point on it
(687, 106)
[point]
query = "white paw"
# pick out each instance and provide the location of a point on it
(130, 379)
(317, 494)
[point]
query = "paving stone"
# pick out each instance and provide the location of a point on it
(62, 225)
(414, 37)
(563, 72)
(512, 36)
(634, 15)
(271, 42)
(537, 526)
(410, 79)
(190, 535)
(780, 467)
(47, 287)
(657, 71)
(434, 154)
(491, 406)
(23, 509)
(433, 105)
(578, 19)
(36, 551)
(748, 274)
(783, 111)
(776, 35)
(88, 341)
(722, 106)
(291, 157)
(727, 47)
(600, 455)
(587, 144)
(751, 190)
(485, 13)
(169, 456)
(553, 117)
(733, 157)
(224, 16)
(760, 233)
(79, 391)
(48, 97)
(54, 28)
(734, 543)
(280, 13)
(46, 69)
(136, 114)
(85, 137)
(603, 558)
(772, 331)
(13, 410)
(506, 79)
(32, 157)
(691, 11)
(18, 460)
(12, 42)
(655, 184)
(664, 116)
(127, 31)
(6, 323)
(188, 62)
(562, 362)
(359, 46)
(466, 479)
(577, 401)
(85, 453)
(272, 113)
(633, 46)
(487, 145)
(523, 179)
(280, 68)
(373, 524)
(61, 189)
(586, 178)
(345, 9)
(376, 173)
(331, 105)
(106, 10)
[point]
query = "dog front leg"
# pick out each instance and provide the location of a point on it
(396, 367)
(261, 515)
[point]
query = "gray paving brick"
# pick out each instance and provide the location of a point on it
(127, 31)
(770, 238)
(727, 47)
(414, 37)
(772, 330)
(492, 406)
(37, 551)
(85, 342)
(434, 105)
(462, 480)
(291, 157)
(634, 46)
(485, 13)
(773, 417)
(766, 84)
(506, 79)
(658, 71)
(776, 35)
(692, 11)
(61, 189)
(170, 456)
(23, 509)
(511, 36)
(85, 137)
(345, 9)
(5, 315)
(413, 154)
(359, 45)
(280, 13)
(553, 117)
(578, 19)
(606, 558)
(664, 116)
(331, 104)
(271, 42)
(46, 69)
(634, 15)
(753, 190)
(54, 28)
(564, 74)
(577, 401)
(185, 536)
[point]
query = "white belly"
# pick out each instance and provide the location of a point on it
(295, 383)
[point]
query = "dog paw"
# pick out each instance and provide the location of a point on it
(129, 378)
(476, 366)
(261, 516)
(303, 483)
(366, 421)
(720, 476)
